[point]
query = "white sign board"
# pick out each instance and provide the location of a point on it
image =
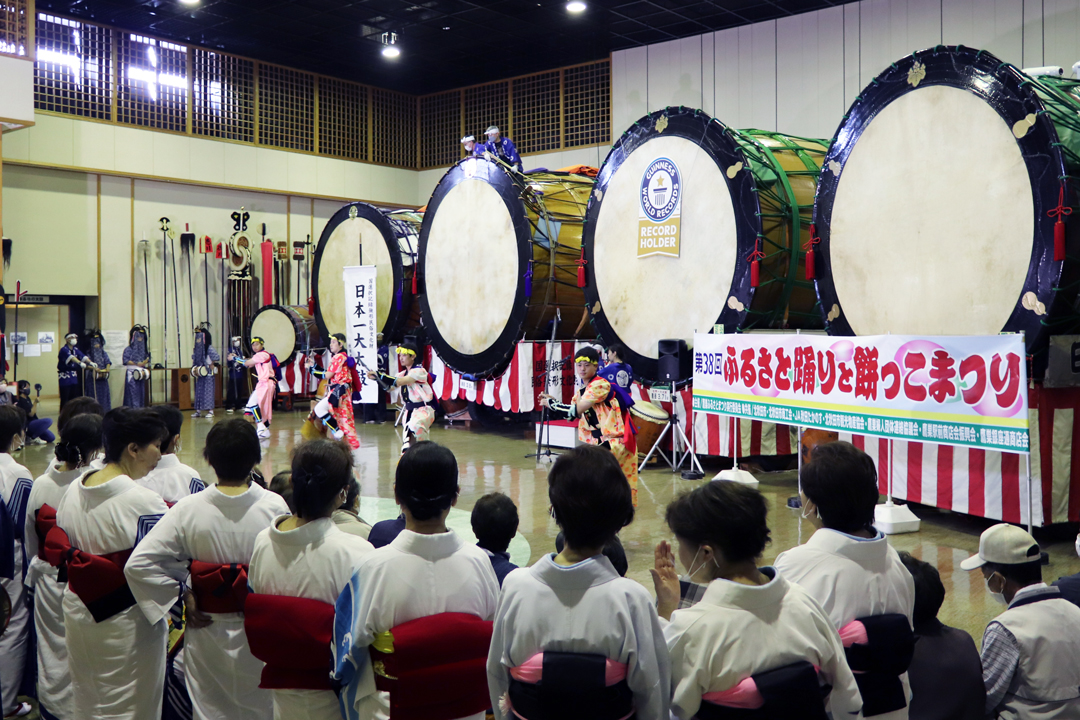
(361, 320)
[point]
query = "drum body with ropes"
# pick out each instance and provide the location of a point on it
(938, 201)
(362, 234)
(498, 260)
(746, 196)
(650, 420)
(286, 330)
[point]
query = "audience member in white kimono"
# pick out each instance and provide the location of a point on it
(117, 658)
(172, 479)
(79, 444)
(205, 541)
(15, 484)
(426, 571)
(751, 621)
(571, 615)
(299, 566)
(847, 565)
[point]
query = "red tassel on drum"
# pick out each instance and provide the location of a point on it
(811, 271)
(755, 259)
(581, 268)
(1059, 227)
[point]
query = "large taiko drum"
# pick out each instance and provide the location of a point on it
(362, 234)
(650, 420)
(938, 201)
(499, 254)
(286, 330)
(741, 192)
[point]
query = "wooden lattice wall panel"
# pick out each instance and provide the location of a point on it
(394, 130)
(223, 96)
(487, 105)
(73, 68)
(286, 108)
(14, 26)
(153, 86)
(343, 119)
(587, 104)
(440, 129)
(536, 113)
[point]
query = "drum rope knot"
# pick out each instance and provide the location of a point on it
(581, 268)
(809, 248)
(755, 259)
(1060, 212)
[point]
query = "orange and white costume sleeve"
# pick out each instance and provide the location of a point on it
(418, 396)
(261, 402)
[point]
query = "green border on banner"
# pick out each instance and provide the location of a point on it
(980, 432)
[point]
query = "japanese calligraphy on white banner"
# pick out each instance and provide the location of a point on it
(360, 320)
(970, 391)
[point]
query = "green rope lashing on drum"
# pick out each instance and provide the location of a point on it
(978, 55)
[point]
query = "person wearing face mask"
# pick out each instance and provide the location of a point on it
(96, 380)
(172, 479)
(117, 657)
(69, 365)
(849, 567)
(15, 486)
(79, 444)
(1030, 652)
(204, 355)
(754, 639)
(236, 391)
(136, 364)
(37, 428)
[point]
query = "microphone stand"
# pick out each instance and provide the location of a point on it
(545, 456)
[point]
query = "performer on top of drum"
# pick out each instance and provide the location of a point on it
(237, 377)
(97, 380)
(502, 148)
(602, 420)
(471, 148)
(204, 355)
(137, 364)
(419, 396)
(619, 374)
(260, 406)
(70, 359)
(335, 409)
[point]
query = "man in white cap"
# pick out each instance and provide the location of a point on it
(1031, 652)
(502, 148)
(471, 148)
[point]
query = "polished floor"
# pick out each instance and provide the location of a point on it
(495, 459)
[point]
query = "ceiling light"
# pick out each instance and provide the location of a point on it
(390, 49)
(189, 2)
(575, 7)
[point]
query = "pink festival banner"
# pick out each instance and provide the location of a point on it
(970, 391)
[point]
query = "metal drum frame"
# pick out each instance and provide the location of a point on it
(303, 342)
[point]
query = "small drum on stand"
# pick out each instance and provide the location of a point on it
(499, 255)
(202, 371)
(741, 193)
(101, 374)
(287, 330)
(938, 201)
(362, 234)
(138, 373)
(650, 420)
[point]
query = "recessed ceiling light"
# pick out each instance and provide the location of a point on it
(575, 7)
(189, 2)
(390, 51)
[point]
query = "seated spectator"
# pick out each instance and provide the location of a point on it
(37, 428)
(172, 479)
(383, 532)
(1030, 652)
(282, 485)
(1069, 585)
(347, 517)
(946, 674)
(495, 522)
(613, 551)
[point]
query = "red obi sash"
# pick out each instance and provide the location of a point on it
(434, 667)
(44, 521)
(292, 636)
(219, 588)
(98, 580)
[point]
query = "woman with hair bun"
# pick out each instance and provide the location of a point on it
(79, 444)
(117, 658)
(299, 566)
(427, 572)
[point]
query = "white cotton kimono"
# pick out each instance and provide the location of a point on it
(314, 561)
(54, 675)
(172, 479)
(118, 665)
(222, 675)
(413, 577)
(852, 578)
(738, 630)
(583, 608)
(15, 484)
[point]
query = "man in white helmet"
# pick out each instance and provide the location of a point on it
(471, 148)
(502, 148)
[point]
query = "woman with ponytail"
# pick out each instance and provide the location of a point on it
(80, 443)
(457, 581)
(299, 566)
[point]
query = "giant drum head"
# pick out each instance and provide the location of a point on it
(933, 202)
(361, 234)
(730, 184)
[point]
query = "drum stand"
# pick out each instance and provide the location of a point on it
(675, 461)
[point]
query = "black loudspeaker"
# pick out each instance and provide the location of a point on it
(669, 364)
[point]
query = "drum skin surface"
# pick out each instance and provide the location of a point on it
(741, 191)
(497, 261)
(933, 205)
(286, 330)
(362, 234)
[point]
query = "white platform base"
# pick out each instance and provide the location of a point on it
(895, 519)
(559, 435)
(739, 476)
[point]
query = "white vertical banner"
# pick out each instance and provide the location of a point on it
(360, 325)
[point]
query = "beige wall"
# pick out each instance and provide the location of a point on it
(41, 369)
